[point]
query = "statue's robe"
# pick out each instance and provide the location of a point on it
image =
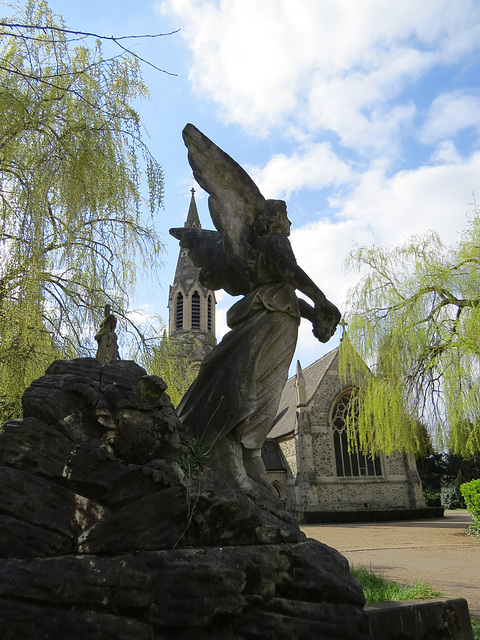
(238, 388)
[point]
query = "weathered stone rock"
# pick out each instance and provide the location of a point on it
(32, 445)
(156, 521)
(139, 481)
(240, 592)
(92, 470)
(88, 370)
(251, 592)
(89, 581)
(140, 437)
(20, 539)
(223, 515)
(34, 500)
(31, 621)
(125, 385)
(102, 535)
(66, 387)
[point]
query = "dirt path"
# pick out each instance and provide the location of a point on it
(438, 552)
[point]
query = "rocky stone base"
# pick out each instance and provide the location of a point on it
(272, 591)
(111, 527)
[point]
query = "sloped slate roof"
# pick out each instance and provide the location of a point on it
(284, 423)
(272, 456)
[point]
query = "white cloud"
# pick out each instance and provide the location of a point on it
(450, 113)
(386, 211)
(314, 166)
(446, 153)
(414, 201)
(332, 64)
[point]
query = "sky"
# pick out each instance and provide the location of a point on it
(364, 115)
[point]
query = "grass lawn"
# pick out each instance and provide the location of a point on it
(378, 589)
(476, 629)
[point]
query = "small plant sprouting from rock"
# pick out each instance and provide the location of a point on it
(193, 459)
(191, 463)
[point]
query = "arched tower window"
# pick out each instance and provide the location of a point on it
(179, 312)
(209, 313)
(350, 463)
(195, 311)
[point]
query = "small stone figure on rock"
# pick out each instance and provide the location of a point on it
(232, 403)
(107, 338)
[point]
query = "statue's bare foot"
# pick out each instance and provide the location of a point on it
(253, 463)
(227, 455)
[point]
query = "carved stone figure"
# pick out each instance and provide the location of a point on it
(107, 338)
(232, 403)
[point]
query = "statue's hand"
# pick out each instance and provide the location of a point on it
(326, 317)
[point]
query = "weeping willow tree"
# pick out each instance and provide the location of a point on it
(415, 319)
(79, 190)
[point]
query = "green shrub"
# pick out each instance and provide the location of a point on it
(432, 497)
(471, 493)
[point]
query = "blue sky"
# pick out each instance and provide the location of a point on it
(364, 115)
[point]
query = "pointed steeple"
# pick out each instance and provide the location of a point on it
(193, 221)
(186, 273)
(191, 305)
(301, 386)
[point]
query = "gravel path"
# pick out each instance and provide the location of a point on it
(438, 552)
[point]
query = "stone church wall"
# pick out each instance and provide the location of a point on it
(317, 486)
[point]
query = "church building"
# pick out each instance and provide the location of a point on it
(308, 457)
(306, 453)
(191, 306)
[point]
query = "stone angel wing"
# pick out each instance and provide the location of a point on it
(205, 249)
(235, 201)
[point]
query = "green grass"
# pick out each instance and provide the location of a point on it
(476, 629)
(378, 589)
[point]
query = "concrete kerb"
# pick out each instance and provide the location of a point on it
(446, 619)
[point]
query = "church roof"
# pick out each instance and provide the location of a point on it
(284, 423)
(272, 456)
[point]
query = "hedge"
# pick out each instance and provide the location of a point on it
(471, 494)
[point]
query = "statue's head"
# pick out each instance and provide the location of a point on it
(273, 219)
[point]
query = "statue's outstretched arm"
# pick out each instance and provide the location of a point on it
(296, 276)
(324, 315)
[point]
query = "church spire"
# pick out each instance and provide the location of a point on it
(193, 221)
(191, 306)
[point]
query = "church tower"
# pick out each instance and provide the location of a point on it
(191, 306)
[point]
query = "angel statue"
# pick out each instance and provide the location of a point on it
(232, 403)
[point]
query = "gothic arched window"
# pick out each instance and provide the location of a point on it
(351, 463)
(179, 312)
(195, 311)
(209, 313)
